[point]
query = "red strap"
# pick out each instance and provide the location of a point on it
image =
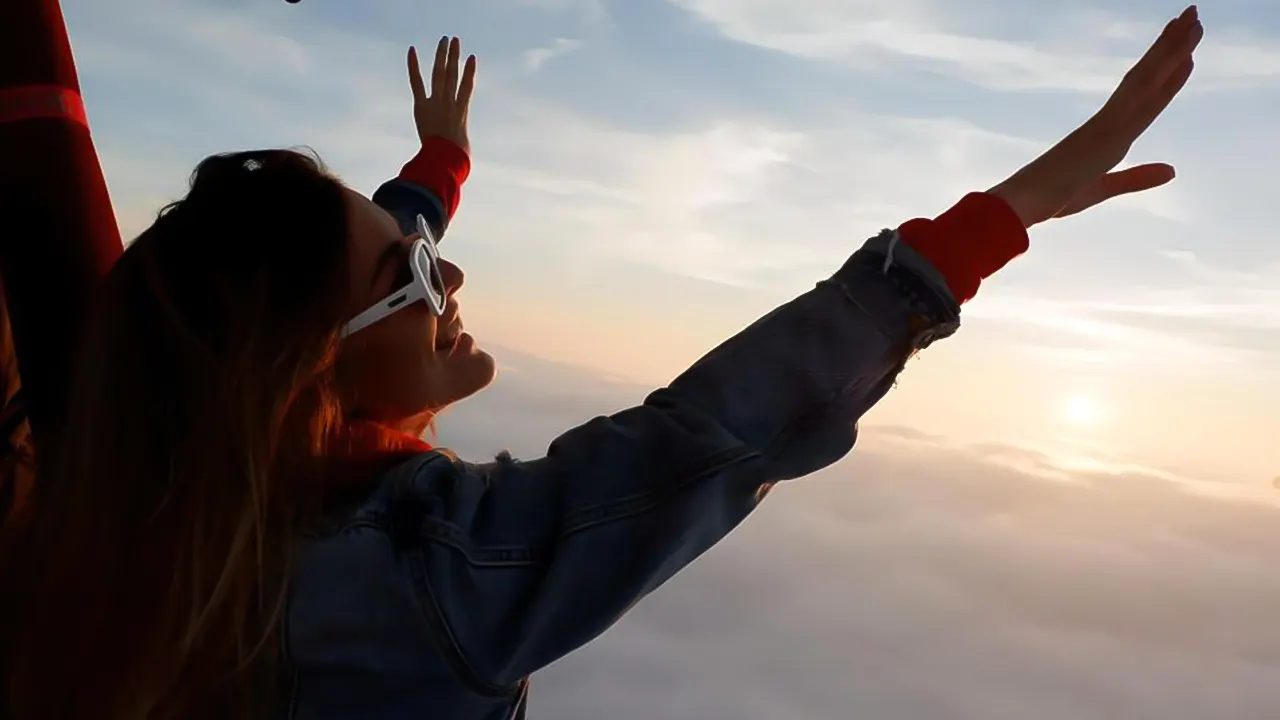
(38, 102)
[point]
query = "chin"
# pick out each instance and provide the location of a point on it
(469, 370)
(486, 370)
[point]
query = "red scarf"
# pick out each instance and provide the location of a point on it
(365, 451)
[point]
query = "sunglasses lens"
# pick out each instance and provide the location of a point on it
(430, 271)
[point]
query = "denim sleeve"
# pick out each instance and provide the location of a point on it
(519, 563)
(406, 200)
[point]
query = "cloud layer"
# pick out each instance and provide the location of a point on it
(919, 580)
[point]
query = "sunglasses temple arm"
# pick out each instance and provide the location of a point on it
(381, 310)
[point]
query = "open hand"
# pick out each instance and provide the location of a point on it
(443, 112)
(1075, 174)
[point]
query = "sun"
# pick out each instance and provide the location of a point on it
(1081, 410)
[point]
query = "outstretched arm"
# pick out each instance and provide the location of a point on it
(514, 564)
(60, 232)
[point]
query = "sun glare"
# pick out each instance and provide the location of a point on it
(1081, 410)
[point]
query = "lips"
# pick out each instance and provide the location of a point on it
(449, 327)
(446, 339)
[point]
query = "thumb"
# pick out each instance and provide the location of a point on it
(1123, 182)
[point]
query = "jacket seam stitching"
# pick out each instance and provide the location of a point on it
(472, 678)
(637, 504)
(614, 511)
(643, 502)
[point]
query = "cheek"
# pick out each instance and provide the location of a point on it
(388, 366)
(470, 373)
(391, 372)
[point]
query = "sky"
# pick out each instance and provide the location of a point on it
(1069, 505)
(651, 176)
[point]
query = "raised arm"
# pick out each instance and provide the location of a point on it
(60, 233)
(517, 563)
(430, 184)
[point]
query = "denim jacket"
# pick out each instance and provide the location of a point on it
(439, 594)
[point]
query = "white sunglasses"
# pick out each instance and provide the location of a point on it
(427, 284)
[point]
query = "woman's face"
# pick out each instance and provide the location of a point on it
(411, 364)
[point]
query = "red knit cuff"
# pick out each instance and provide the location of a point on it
(441, 167)
(968, 243)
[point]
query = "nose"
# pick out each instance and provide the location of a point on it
(452, 275)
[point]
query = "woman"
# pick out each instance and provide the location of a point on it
(243, 516)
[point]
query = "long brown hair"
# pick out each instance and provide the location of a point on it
(17, 450)
(152, 580)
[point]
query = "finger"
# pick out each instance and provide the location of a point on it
(1150, 87)
(1151, 72)
(1169, 42)
(451, 69)
(468, 85)
(437, 70)
(1174, 63)
(1124, 182)
(415, 77)
(1139, 178)
(1146, 114)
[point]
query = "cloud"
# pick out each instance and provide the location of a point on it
(589, 13)
(924, 579)
(1084, 334)
(1202, 319)
(753, 201)
(1246, 299)
(763, 202)
(168, 83)
(758, 201)
(747, 201)
(883, 36)
(535, 58)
